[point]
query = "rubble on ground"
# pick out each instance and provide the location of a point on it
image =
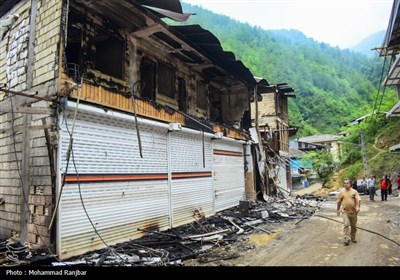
(195, 240)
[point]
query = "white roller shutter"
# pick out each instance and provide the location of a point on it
(191, 184)
(228, 173)
(121, 191)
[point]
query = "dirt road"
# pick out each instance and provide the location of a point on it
(318, 241)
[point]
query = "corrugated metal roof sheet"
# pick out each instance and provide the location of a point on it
(300, 163)
(395, 148)
(295, 153)
(170, 5)
(319, 138)
(170, 14)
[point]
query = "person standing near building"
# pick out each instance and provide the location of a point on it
(384, 187)
(306, 183)
(398, 182)
(389, 182)
(348, 204)
(354, 184)
(371, 187)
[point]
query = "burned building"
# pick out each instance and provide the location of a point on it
(270, 117)
(113, 122)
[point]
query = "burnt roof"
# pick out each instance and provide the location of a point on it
(204, 41)
(198, 38)
(170, 5)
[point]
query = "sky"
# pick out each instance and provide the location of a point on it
(342, 23)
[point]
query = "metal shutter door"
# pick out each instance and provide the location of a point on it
(192, 184)
(228, 173)
(105, 147)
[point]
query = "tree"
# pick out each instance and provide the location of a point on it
(323, 164)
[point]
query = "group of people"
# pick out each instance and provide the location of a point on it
(386, 186)
(349, 203)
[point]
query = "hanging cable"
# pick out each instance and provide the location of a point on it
(374, 232)
(384, 88)
(379, 87)
(86, 213)
(71, 139)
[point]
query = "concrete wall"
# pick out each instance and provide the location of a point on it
(335, 151)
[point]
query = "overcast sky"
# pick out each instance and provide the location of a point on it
(342, 23)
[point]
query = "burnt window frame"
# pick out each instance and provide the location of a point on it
(204, 97)
(146, 93)
(74, 50)
(112, 38)
(182, 94)
(167, 89)
(86, 60)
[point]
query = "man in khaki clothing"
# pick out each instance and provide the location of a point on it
(351, 206)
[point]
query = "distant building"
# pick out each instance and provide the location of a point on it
(317, 142)
(296, 166)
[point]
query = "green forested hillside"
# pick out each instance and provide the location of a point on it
(367, 44)
(332, 86)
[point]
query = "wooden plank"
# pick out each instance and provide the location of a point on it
(51, 154)
(25, 128)
(50, 98)
(27, 110)
(25, 179)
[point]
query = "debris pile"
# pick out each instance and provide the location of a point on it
(227, 229)
(13, 253)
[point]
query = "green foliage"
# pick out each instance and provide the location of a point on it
(323, 164)
(385, 163)
(379, 134)
(332, 86)
(353, 171)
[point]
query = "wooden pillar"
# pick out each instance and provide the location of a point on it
(25, 166)
(249, 174)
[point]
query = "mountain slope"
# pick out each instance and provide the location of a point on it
(372, 41)
(332, 86)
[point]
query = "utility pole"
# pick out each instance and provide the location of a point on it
(364, 152)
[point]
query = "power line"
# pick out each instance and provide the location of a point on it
(379, 87)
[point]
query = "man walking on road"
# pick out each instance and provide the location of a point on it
(351, 201)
